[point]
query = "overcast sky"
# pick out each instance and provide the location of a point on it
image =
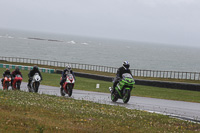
(166, 21)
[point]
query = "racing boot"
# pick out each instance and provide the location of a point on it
(29, 84)
(112, 90)
(2, 81)
(61, 88)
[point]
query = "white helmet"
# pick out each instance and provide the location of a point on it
(68, 67)
(126, 64)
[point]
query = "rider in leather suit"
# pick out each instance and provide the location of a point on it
(32, 73)
(120, 71)
(66, 70)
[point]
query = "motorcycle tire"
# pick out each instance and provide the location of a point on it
(35, 87)
(18, 85)
(126, 96)
(70, 90)
(61, 92)
(114, 98)
(6, 85)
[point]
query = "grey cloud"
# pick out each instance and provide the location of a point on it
(171, 21)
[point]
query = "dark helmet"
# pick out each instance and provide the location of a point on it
(7, 70)
(17, 69)
(126, 64)
(35, 68)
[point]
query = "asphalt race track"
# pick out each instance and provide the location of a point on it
(178, 109)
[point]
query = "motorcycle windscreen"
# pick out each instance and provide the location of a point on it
(18, 75)
(127, 75)
(70, 76)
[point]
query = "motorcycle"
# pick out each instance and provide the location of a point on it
(35, 83)
(123, 88)
(17, 82)
(68, 85)
(6, 82)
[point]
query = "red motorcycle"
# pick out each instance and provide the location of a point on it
(17, 82)
(68, 85)
(6, 82)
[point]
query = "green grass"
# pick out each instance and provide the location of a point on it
(139, 90)
(31, 112)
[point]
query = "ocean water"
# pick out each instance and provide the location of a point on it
(95, 51)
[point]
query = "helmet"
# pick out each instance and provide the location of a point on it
(35, 68)
(7, 70)
(17, 69)
(68, 67)
(126, 64)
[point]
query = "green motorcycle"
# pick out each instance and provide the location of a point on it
(123, 88)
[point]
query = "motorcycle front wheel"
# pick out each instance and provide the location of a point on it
(6, 85)
(114, 97)
(61, 91)
(18, 85)
(127, 94)
(35, 86)
(70, 90)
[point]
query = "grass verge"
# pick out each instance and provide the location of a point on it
(32, 112)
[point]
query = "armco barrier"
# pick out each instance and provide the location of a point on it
(165, 84)
(46, 70)
(91, 76)
(107, 69)
(173, 85)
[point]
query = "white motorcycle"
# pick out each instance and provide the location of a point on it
(35, 83)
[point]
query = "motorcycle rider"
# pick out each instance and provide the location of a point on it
(120, 72)
(32, 73)
(7, 72)
(67, 70)
(14, 73)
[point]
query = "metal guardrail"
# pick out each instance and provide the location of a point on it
(135, 72)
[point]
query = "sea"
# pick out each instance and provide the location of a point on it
(98, 51)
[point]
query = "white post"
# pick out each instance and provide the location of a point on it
(97, 86)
